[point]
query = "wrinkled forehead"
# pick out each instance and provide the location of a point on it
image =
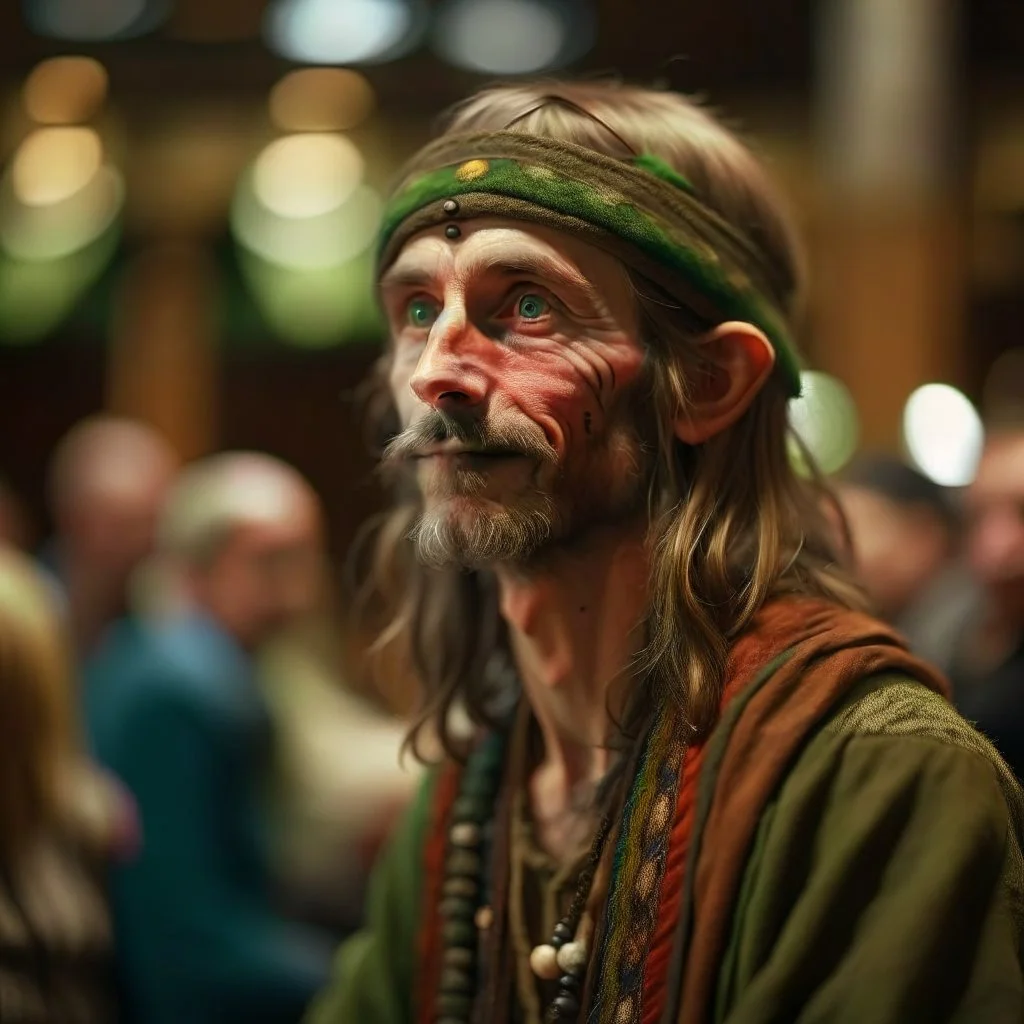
(492, 245)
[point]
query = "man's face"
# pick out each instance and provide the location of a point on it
(995, 508)
(516, 372)
(266, 575)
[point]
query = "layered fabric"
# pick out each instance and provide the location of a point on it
(843, 847)
(639, 210)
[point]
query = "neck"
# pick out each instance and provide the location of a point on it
(95, 599)
(572, 628)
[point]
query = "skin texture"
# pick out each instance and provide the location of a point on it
(523, 341)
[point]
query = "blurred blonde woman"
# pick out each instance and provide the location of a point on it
(57, 822)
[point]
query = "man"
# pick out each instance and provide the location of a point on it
(906, 542)
(108, 481)
(704, 788)
(174, 711)
(989, 668)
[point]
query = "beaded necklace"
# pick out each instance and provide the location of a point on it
(466, 916)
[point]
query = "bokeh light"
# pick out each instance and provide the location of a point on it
(307, 175)
(65, 90)
(36, 296)
(825, 419)
(52, 164)
(943, 434)
(93, 20)
(511, 37)
(315, 308)
(349, 32)
(321, 100)
(58, 229)
(306, 243)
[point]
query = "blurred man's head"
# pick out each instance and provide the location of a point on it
(995, 526)
(244, 534)
(903, 529)
(108, 481)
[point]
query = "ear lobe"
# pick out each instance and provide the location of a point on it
(741, 359)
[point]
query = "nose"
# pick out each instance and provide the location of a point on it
(449, 375)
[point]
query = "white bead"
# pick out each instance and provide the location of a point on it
(572, 958)
(465, 834)
(544, 962)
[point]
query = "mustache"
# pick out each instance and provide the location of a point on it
(473, 434)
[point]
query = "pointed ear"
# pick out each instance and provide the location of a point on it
(740, 360)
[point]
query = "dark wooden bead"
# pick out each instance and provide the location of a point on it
(450, 1004)
(565, 1006)
(459, 933)
(458, 958)
(471, 808)
(458, 908)
(569, 983)
(456, 981)
(464, 864)
(467, 888)
(453, 231)
(562, 931)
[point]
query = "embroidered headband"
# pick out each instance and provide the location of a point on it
(639, 210)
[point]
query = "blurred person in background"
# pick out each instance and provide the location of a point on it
(175, 711)
(15, 525)
(59, 823)
(988, 670)
(906, 534)
(339, 781)
(107, 483)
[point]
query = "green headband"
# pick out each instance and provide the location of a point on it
(641, 211)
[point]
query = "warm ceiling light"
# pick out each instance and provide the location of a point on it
(94, 19)
(65, 90)
(512, 37)
(321, 100)
(52, 164)
(344, 31)
(50, 232)
(307, 175)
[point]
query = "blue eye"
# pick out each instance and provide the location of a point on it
(422, 313)
(532, 307)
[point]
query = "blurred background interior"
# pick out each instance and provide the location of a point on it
(189, 192)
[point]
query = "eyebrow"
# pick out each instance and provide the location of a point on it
(536, 265)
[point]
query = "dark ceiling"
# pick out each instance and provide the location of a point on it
(712, 45)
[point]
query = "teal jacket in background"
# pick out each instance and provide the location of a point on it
(175, 713)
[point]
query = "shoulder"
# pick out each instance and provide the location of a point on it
(897, 743)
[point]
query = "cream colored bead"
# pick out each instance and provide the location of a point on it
(465, 834)
(572, 958)
(544, 962)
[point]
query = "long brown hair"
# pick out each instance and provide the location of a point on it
(37, 743)
(732, 523)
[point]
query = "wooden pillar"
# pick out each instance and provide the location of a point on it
(890, 262)
(163, 354)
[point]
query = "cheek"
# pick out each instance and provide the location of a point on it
(573, 389)
(399, 386)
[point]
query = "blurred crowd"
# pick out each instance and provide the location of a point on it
(191, 795)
